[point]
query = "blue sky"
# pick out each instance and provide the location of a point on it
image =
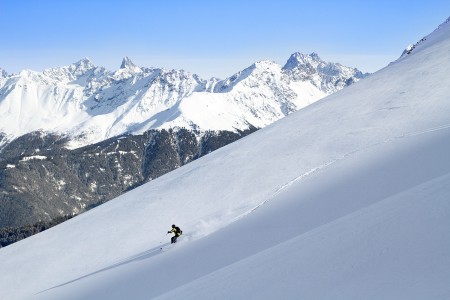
(210, 38)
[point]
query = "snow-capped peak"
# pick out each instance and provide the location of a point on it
(261, 67)
(300, 60)
(263, 64)
(254, 71)
(81, 67)
(327, 76)
(71, 72)
(83, 64)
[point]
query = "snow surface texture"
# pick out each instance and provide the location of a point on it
(345, 199)
(91, 104)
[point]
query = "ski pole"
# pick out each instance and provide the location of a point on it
(163, 238)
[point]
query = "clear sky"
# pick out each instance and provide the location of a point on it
(210, 38)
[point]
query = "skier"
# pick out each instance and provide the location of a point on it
(177, 231)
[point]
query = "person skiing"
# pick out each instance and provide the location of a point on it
(177, 231)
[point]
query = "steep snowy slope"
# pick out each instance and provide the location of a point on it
(90, 104)
(351, 196)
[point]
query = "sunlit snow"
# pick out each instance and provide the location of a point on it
(346, 199)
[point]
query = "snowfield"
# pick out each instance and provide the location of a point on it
(346, 199)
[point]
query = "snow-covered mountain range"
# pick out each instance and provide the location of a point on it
(89, 104)
(76, 136)
(347, 198)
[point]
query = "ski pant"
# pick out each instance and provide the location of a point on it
(174, 239)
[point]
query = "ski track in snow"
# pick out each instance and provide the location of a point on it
(281, 188)
(437, 128)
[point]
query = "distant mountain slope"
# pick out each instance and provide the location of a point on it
(345, 199)
(41, 180)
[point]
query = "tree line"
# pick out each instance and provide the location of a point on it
(10, 235)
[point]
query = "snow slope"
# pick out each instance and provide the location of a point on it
(345, 199)
(89, 104)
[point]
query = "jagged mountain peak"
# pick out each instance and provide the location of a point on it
(127, 63)
(3, 73)
(127, 69)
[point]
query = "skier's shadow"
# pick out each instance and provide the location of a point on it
(141, 256)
